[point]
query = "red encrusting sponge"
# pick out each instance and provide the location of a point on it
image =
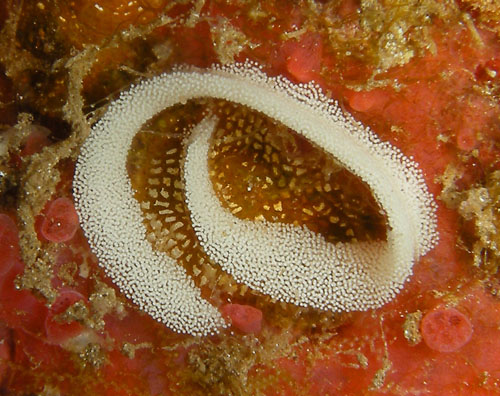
(245, 318)
(61, 221)
(446, 329)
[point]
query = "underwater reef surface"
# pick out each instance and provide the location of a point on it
(424, 76)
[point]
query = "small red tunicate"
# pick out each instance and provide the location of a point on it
(304, 59)
(57, 331)
(9, 244)
(37, 140)
(61, 221)
(490, 71)
(446, 329)
(66, 298)
(466, 139)
(245, 318)
(347, 7)
(362, 101)
(366, 100)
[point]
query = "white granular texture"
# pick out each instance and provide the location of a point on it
(287, 262)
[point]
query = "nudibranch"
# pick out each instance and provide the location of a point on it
(290, 263)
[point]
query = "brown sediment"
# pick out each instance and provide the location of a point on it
(479, 207)
(411, 327)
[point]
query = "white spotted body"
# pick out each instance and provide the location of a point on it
(287, 262)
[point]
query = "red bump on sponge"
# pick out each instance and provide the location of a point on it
(245, 318)
(61, 221)
(37, 140)
(59, 331)
(304, 59)
(446, 329)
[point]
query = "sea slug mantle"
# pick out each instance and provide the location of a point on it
(344, 276)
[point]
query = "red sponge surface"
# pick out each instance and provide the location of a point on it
(61, 221)
(245, 318)
(9, 244)
(446, 329)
